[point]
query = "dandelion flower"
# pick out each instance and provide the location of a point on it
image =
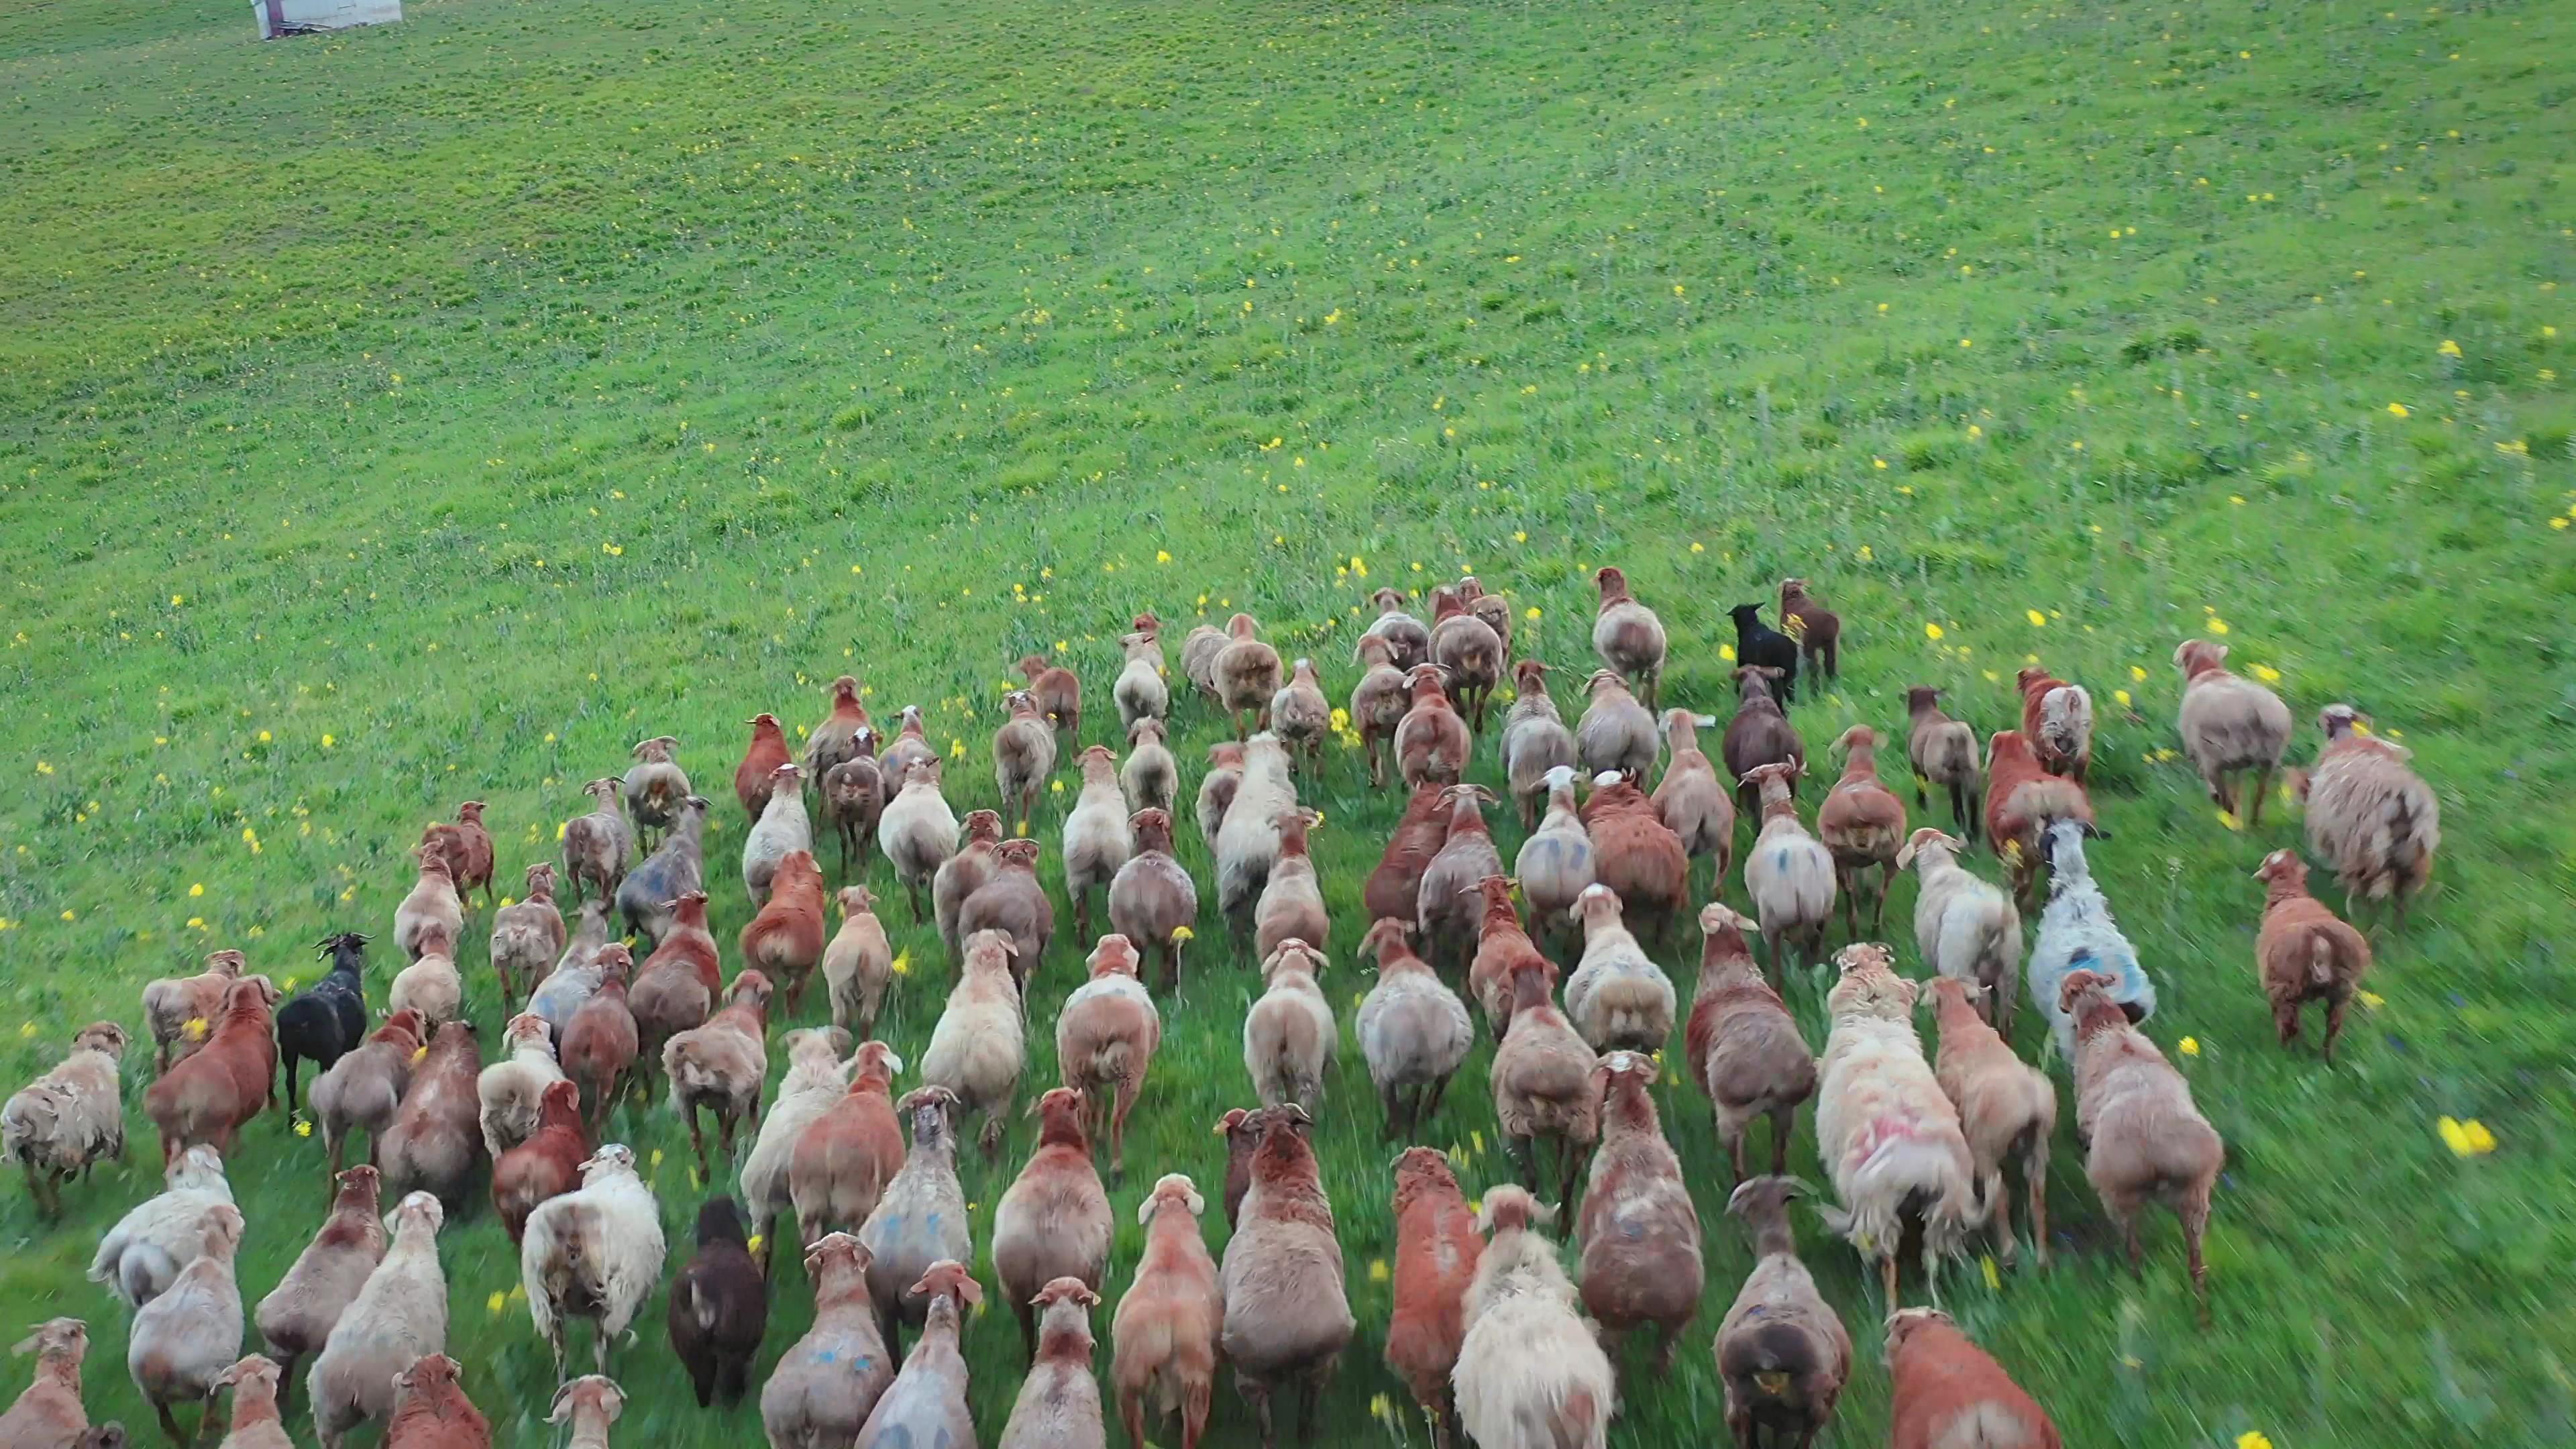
(303, 1128)
(2372, 999)
(1531, 612)
(497, 1303)
(1182, 935)
(2137, 674)
(2448, 348)
(903, 964)
(1162, 557)
(2253, 1439)
(2189, 1046)
(195, 1028)
(1377, 1270)
(1931, 631)
(1726, 652)
(2466, 1139)
(2228, 819)
(1055, 787)
(1994, 1280)
(2397, 410)
(198, 889)
(2037, 619)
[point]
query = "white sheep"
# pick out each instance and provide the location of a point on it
(511, 1089)
(183, 1340)
(148, 1246)
(1965, 927)
(980, 1046)
(1247, 844)
(815, 1080)
(1530, 1373)
(1289, 1035)
(1789, 873)
(1617, 997)
(2076, 933)
(397, 1318)
(596, 1252)
(1889, 1136)
(68, 1118)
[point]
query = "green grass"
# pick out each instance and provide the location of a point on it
(413, 415)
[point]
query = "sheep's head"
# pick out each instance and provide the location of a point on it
(1171, 1190)
(359, 1185)
(1293, 955)
(1869, 985)
(1242, 626)
(1928, 838)
(1625, 1075)
(611, 1161)
(1385, 939)
(844, 690)
(933, 1111)
(1114, 956)
(763, 725)
(1425, 680)
(1921, 697)
(101, 1036)
(527, 1027)
(471, 812)
(1792, 591)
(2196, 657)
(1747, 617)
(1858, 737)
(256, 1374)
(1717, 916)
(1597, 903)
(1612, 583)
(657, 750)
(433, 1373)
(983, 827)
(951, 1280)
(1019, 854)
(1152, 829)
(2337, 720)
(1227, 755)
(1510, 1208)
(1904, 1323)
(1388, 601)
(199, 1168)
(873, 1066)
(1764, 1201)
(1147, 730)
(56, 1338)
(1021, 704)
(229, 962)
(597, 1395)
(613, 962)
(837, 1266)
(1420, 1170)
(751, 989)
(2081, 987)
(2283, 867)
(1605, 682)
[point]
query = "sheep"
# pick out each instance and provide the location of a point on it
(782, 829)
(2022, 800)
(1493, 610)
(1627, 635)
(397, 1317)
(909, 751)
(921, 1214)
(184, 1339)
(721, 1065)
(328, 1019)
(918, 832)
(592, 1404)
(1151, 778)
(1789, 874)
(49, 1414)
(255, 1422)
(1023, 754)
(2305, 953)
(845, 734)
(1965, 927)
(2229, 723)
(1059, 1401)
(2077, 933)
(756, 778)
(296, 1318)
(1379, 702)
(508, 1090)
(546, 1165)
(1395, 887)
(1105, 1039)
(2005, 1108)
(469, 851)
(431, 1410)
(1413, 1031)
(1863, 823)
(1690, 800)
(840, 1164)
(436, 1131)
(1781, 1350)
(1617, 997)
(785, 941)
(365, 1088)
(823, 1387)
(926, 1403)
(2370, 816)
(1199, 649)
(433, 902)
(1408, 639)
(654, 787)
(671, 873)
(1445, 909)
(816, 1081)
(1152, 900)
(1468, 651)
(1535, 740)
(1943, 752)
(719, 1307)
(1096, 842)
(964, 872)
(1245, 673)
(1946, 1393)
(1742, 1046)
(1287, 1316)
(162, 1234)
(595, 1252)
(1248, 842)
(675, 989)
(431, 984)
(1542, 1080)
(1301, 715)
(2058, 718)
(1639, 1232)
(528, 936)
(1436, 1252)
(1557, 863)
(1216, 789)
(1616, 733)
(1054, 1221)
(1012, 901)
(1759, 734)
(1289, 1035)
(580, 970)
(1502, 948)
(180, 1010)
(1818, 630)
(57, 1126)
(1758, 646)
(209, 1097)
(854, 798)
(1889, 1138)
(1530, 1374)
(1140, 691)
(601, 1043)
(1635, 855)
(1163, 1338)
(979, 1047)
(1292, 902)
(1431, 740)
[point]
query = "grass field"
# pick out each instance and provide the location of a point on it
(408, 416)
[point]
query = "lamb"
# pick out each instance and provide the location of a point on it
(1627, 635)
(2229, 723)
(1789, 874)
(675, 989)
(2077, 934)
(327, 1020)
(162, 1234)
(2022, 800)
(2370, 816)
(1760, 734)
(1054, 1221)
(672, 873)
(255, 1423)
(1639, 1231)
(654, 787)
(1468, 651)
(1152, 900)
(1742, 1045)
(1413, 1031)
(1818, 630)
(1395, 887)
(1542, 1080)
(756, 778)
(1408, 639)
(926, 1403)
(1057, 692)
(1535, 740)
(1216, 789)
(979, 1046)
(547, 1165)
(528, 936)
(1863, 824)
(184, 1339)
(1245, 672)
(172, 1003)
(1059, 1402)
(1140, 690)
(721, 1065)
(2006, 1108)
(1946, 1393)
(1965, 928)
(1758, 646)
(1292, 903)
(1199, 649)
(908, 753)
(719, 1307)
(1023, 754)
(842, 1161)
(508, 1091)
(2058, 718)
(1096, 842)
(1013, 901)
(1431, 741)
(1889, 1138)
(2305, 953)
(592, 1405)
(815, 1083)
(964, 872)
(399, 1316)
(1289, 1035)
(431, 1410)
(1782, 1351)
(296, 1318)
(824, 1386)
(1445, 909)
(1502, 948)
(433, 901)
(431, 984)
(785, 941)
(601, 1043)
(918, 832)
(49, 1414)
(1436, 1252)
(921, 1214)
(1635, 855)
(1530, 1374)
(1379, 702)
(436, 1132)
(1105, 1039)
(845, 734)
(1616, 732)
(592, 1253)
(581, 969)
(1616, 997)
(1151, 778)
(782, 829)
(365, 1088)
(1556, 863)
(209, 1097)
(1248, 842)
(1164, 1336)
(1301, 715)
(469, 851)
(57, 1126)
(1493, 609)
(854, 798)
(1690, 800)
(1287, 1317)
(1943, 752)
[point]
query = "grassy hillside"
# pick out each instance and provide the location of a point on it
(408, 416)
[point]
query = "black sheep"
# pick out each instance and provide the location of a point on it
(1756, 643)
(327, 1020)
(719, 1306)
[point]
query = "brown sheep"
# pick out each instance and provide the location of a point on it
(1057, 692)
(2369, 816)
(1863, 824)
(2305, 953)
(2148, 1142)
(1943, 752)
(2229, 723)
(1245, 672)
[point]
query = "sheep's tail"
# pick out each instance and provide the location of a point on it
(2066, 719)
(2321, 959)
(1902, 1173)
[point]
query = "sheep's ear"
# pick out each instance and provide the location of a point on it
(29, 1344)
(562, 1408)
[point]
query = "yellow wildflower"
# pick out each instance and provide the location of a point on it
(303, 1128)
(1181, 935)
(195, 1028)
(1932, 631)
(2037, 619)
(1726, 652)
(1531, 612)
(2448, 348)
(2189, 1046)
(2372, 999)
(198, 889)
(2466, 1139)
(903, 963)
(496, 1303)
(1377, 1270)
(1994, 1280)
(2122, 696)
(2397, 410)
(2253, 1439)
